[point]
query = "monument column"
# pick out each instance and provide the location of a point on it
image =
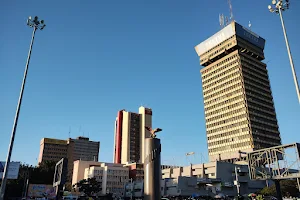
(152, 167)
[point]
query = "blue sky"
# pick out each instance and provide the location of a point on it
(97, 57)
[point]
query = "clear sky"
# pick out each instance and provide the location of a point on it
(97, 57)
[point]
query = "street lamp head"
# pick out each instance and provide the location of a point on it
(36, 23)
(270, 8)
(274, 2)
(43, 27)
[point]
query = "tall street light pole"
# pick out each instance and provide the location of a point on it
(278, 7)
(35, 24)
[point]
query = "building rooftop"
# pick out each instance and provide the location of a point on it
(228, 31)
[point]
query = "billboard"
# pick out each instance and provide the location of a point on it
(13, 170)
(224, 34)
(60, 174)
(41, 190)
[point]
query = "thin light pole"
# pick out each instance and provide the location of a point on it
(290, 55)
(237, 181)
(131, 188)
(36, 25)
(279, 7)
(26, 188)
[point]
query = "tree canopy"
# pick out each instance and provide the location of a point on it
(288, 188)
(89, 186)
(42, 174)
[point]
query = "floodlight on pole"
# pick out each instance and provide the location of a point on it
(278, 7)
(35, 24)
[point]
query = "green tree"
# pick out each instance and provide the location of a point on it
(288, 188)
(89, 186)
(42, 174)
(16, 188)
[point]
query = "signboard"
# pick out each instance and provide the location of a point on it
(41, 190)
(13, 170)
(248, 35)
(230, 30)
(54, 141)
(60, 174)
(216, 39)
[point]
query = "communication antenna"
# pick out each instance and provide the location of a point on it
(249, 25)
(230, 9)
(189, 154)
(221, 20)
(69, 132)
(79, 129)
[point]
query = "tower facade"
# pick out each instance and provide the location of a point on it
(238, 102)
(130, 135)
(52, 150)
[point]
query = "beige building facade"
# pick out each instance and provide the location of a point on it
(80, 148)
(239, 108)
(112, 177)
(79, 169)
(130, 134)
(52, 150)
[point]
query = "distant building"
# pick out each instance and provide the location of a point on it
(111, 176)
(79, 169)
(134, 189)
(136, 170)
(52, 150)
(81, 148)
(130, 135)
(206, 179)
(238, 102)
(219, 175)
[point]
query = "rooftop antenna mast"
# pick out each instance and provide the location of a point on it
(231, 13)
(249, 25)
(221, 20)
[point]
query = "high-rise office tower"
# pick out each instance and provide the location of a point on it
(52, 150)
(238, 103)
(81, 148)
(130, 134)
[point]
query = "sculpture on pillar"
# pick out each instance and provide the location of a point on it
(153, 131)
(152, 166)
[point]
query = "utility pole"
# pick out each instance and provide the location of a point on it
(278, 7)
(35, 24)
(237, 181)
(131, 188)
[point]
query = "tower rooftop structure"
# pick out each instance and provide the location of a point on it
(239, 36)
(238, 103)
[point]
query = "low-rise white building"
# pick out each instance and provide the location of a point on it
(111, 176)
(218, 175)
